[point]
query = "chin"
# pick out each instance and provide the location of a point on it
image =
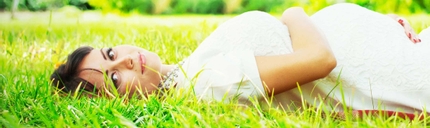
(155, 64)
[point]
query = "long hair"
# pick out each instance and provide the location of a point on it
(65, 77)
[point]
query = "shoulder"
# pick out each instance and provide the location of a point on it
(253, 16)
(253, 30)
(223, 76)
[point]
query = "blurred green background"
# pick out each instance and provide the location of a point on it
(212, 6)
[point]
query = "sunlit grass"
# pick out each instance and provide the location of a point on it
(30, 49)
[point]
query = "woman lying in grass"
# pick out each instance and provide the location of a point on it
(344, 55)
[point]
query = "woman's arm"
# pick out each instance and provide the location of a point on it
(312, 57)
(409, 31)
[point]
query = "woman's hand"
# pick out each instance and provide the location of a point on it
(409, 31)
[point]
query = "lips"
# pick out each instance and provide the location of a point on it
(142, 61)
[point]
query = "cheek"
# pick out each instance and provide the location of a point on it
(142, 84)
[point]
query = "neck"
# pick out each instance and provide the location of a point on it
(168, 76)
(170, 73)
(166, 68)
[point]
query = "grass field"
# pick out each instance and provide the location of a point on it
(31, 46)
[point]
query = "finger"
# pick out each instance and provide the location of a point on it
(413, 36)
(410, 33)
(401, 21)
(405, 26)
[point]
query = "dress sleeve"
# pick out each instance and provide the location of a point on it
(226, 76)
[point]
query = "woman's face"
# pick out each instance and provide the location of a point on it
(129, 69)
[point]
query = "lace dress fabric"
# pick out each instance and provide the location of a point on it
(378, 67)
(372, 49)
(223, 66)
(254, 30)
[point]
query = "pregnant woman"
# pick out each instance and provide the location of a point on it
(344, 56)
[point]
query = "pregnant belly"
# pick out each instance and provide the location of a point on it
(372, 50)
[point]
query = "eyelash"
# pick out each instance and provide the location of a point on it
(115, 82)
(111, 57)
(109, 50)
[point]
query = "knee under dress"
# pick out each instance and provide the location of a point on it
(378, 67)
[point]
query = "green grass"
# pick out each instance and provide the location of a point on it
(31, 47)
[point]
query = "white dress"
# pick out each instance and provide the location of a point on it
(378, 67)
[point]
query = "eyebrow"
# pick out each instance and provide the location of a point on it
(107, 72)
(104, 57)
(101, 51)
(99, 71)
(93, 70)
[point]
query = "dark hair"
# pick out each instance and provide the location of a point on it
(65, 77)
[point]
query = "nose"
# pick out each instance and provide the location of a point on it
(126, 62)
